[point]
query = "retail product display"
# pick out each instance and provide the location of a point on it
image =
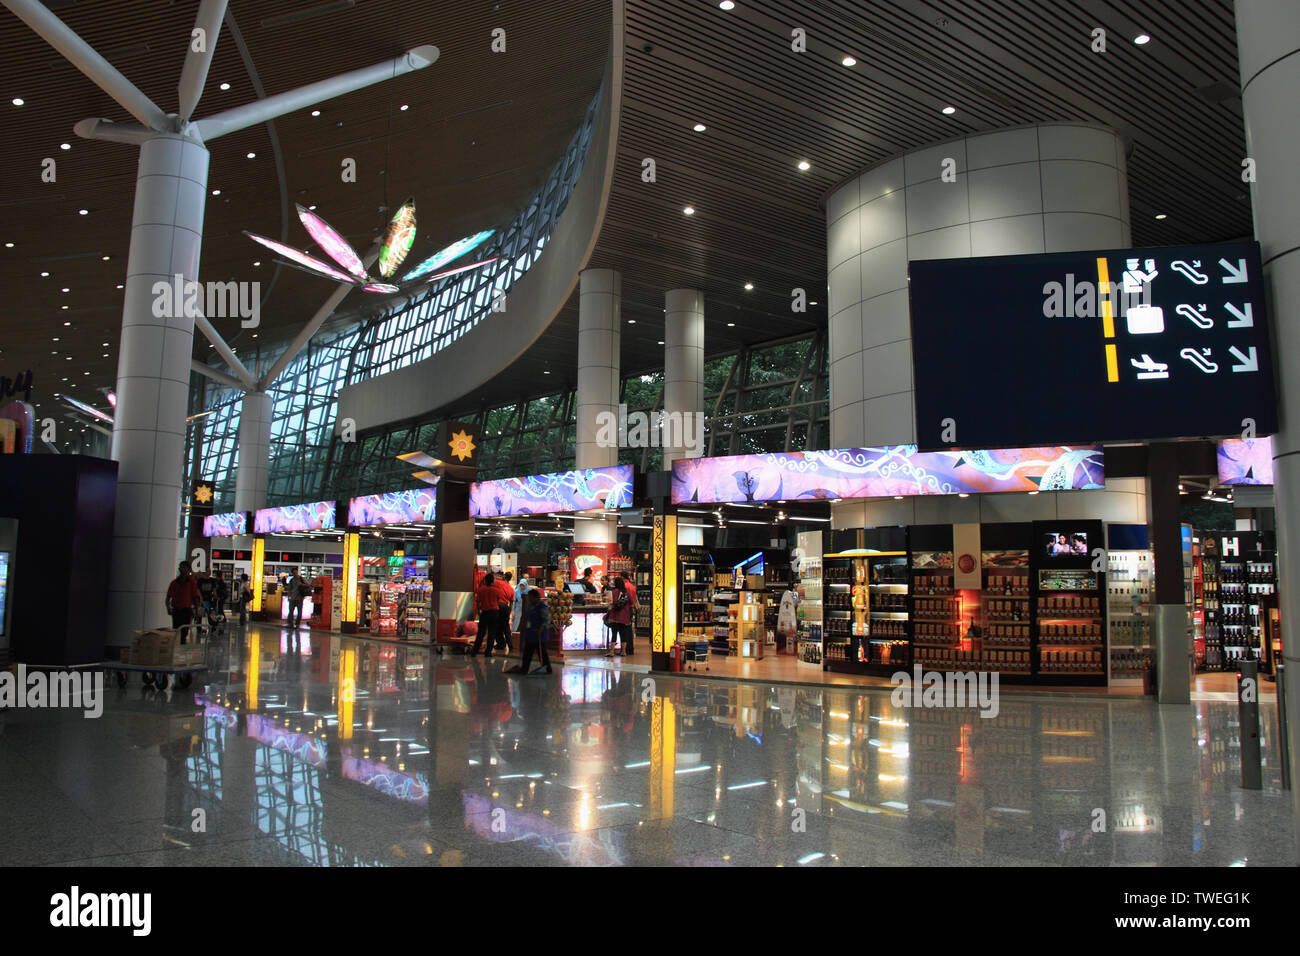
(1130, 582)
(1233, 575)
(809, 611)
(1071, 637)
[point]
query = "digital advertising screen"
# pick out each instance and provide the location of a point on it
(4, 586)
(394, 507)
(1246, 461)
(580, 490)
(312, 516)
(225, 525)
(1113, 345)
(884, 472)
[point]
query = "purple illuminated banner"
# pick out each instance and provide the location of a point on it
(313, 516)
(225, 525)
(579, 490)
(885, 472)
(1246, 461)
(394, 507)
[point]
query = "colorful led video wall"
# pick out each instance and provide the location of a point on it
(225, 525)
(579, 490)
(394, 507)
(885, 472)
(312, 516)
(1246, 461)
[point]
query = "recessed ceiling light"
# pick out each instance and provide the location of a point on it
(731, 325)
(103, 258)
(252, 155)
(45, 275)
(315, 112)
(949, 110)
(105, 355)
(1142, 39)
(814, 303)
(545, 372)
(9, 245)
(898, 497)
(749, 287)
(1161, 216)
(963, 494)
(85, 373)
(18, 101)
(254, 335)
(699, 127)
(631, 321)
(1033, 492)
(67, 290)
(727, 5)
(83, 212)
(105, 345)
(119, 287)
(67, 323)
(848, 61)
(258, 262)
(65, 308)
(65, 146)
(65, 379)
(55, 339)
(224, 86)
(661, 343)
(404, 107)
(312, 207)
(804, 165)
(216, 192)
(689, 210)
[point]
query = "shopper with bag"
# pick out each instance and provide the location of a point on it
(619, 618)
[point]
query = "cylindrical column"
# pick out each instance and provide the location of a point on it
(254, 451)
(599, 318)
(683, 429)
(1036, 189)
(153, 375)
(1268, 54)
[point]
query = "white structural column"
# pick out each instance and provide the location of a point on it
(1034, 189)
(684, 382)
(1268, 52)
(599, 320)
(254, 451)
(153, 374)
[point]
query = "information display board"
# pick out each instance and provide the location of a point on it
(1113, 345)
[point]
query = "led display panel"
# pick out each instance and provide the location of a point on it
(225, 525)
(884, 472)
(1246, 461)
(1114, 345)
(312, 516)
(580, 490)
(394, 507)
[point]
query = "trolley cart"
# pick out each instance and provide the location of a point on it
(159, 675)
(695, 650)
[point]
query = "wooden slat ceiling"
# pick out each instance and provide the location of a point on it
(760, 220)
(481, 133)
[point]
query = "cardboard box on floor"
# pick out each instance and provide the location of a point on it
(161, 647)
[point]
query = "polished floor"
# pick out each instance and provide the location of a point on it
(350, 752)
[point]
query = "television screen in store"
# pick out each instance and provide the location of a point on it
(1065, 543)
(1245, 461)
(1118, 344)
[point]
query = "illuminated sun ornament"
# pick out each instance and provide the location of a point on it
(461, 445)
(203, 494)
(393, 249)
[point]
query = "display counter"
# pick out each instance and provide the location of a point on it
(587, 631)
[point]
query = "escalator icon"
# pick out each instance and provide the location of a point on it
(1201, 359)
(1189, 270)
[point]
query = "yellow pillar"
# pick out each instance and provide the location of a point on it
(663, 605)
(259, 559)
(351, 560)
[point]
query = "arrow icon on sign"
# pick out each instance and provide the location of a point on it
(1236, 273)
(1249, 360)
(1243, 319)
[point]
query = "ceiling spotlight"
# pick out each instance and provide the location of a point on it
(65, 146)
(699, 127)
(804, 165)
(727, 5)
(949, 110)
(898, 497)
(216, 192)
(1142, 39)
(661, 342)
(258, 262)
(1161, 215)
(83, 212)
(404, 107)
(67, 290)
(1033, 492)
(67, 323)
(252, 155)
(45, 275)
(631, 321)
(963, 494)
(546, 372)
(120, 287)
(64, 308)
(315, 112)
(103, 258)
(9, 245)
(224, 86)
(848, 61)
(731, 325)
(749, 287)
(18, 101)
(689, 210)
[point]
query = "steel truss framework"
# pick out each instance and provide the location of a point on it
(768, 397)
(305, 395)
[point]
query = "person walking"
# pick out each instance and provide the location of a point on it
(536, 632)
(503, 610)
(487, 602)
(619, 618)
(245, 598)
(182, 598)
(298, 589)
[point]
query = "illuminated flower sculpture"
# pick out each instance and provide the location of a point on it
(397, 242)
